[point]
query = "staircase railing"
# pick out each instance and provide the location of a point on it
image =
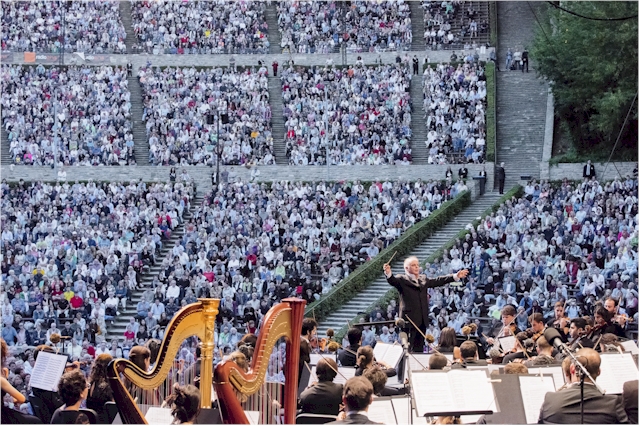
(362, 277)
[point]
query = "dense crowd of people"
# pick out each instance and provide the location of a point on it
(37, 26)
(202, 27)
(574, 244)
(361, 26)
(182, 107)
(441, 31)
(455, 105)
(72, 253)
(90, 106)
(362, 113)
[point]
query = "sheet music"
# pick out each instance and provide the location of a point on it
(455, 391)
(389, 353)
(473, 389)
(402, 407)
(381, 411)
(630, 345)
(555, 371)
(507, 343)
(47, 371)
(533, 389)
(432, 392)
(317, 357)
(615, 369)
(157, 415)
(253, 416)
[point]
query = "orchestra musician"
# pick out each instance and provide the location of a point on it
(537, 326)
(602, 325)
(325, 396)
(508, 328)
(366, 360)
(618, 318)
(577, 335)
(414, 298)
(560, 320)
(309, 329)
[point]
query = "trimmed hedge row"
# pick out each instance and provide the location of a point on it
(362, 277)
(490, 73)
(516, 191)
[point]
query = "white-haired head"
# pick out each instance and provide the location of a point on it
(408, 261)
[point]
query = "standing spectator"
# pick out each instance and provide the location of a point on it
(589, 170)
(274, 65)
(525, 59)
(415, 64)
(509, 60)
(500, 176)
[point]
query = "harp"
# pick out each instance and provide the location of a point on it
(282, 322)
(197, 319)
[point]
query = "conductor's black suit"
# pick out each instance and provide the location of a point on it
(414, 303)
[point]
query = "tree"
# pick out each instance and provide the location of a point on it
(592, 67)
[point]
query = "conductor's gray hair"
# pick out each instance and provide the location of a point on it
(407, 261)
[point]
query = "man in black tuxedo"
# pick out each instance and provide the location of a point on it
(325, 396)
(347, 356)
(356, 397)
(563, 406)
(414, 299)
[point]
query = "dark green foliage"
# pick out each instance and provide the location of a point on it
(592, 67)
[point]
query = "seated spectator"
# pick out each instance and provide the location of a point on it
(91, 106)
(455, 113)
(37, 26)
(182, 126)
(368, 109)
(202, 27)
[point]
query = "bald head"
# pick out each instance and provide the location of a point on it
(590, 359)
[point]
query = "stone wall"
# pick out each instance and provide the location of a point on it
(574, 170)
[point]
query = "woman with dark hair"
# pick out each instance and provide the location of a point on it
(10, 416)
(184, 403)
(365, 360)
(73, 389)
(447, 340)
(140, 356)
(99, 388)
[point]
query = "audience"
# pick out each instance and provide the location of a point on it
(310, 26)
(199, 27)
(362, 113)
(182, 119)
(455, 112)
(93, 111)
(91, 26)
(562, 242)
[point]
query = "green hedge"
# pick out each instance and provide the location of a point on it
(362, 277)
(516, 191)
(490, 73)
(493, 24)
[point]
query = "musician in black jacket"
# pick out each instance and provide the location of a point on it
(414, 299)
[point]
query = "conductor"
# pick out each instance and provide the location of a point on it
(414, 299)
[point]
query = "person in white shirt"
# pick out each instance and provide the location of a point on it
(173, 291)
(157, 309)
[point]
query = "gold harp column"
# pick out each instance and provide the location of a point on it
(209, 313)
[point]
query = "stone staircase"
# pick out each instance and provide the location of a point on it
(141, 142)
(277, 121)
(417, 26)
(379, 287)
(521, 100)
(125, 16)
(119, 325)
(461, 20)
(418, 125)
(271, 16)
(5, 157)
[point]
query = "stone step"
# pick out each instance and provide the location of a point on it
(139, 130)
(417, 26)
(277, 120)
(5, 157)
(125, 16)
(274, 36)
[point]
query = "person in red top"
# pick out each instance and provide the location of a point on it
(76, 302)
(129, 334)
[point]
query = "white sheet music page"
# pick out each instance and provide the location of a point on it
(387, 352)
(381, 411)
(157, 415)
(630, 345)
(533, 390)
(47, 371)
(507, 343)
(555, 371)
(472, 390)
(345, 373)
(432, 392)
(615, 369)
